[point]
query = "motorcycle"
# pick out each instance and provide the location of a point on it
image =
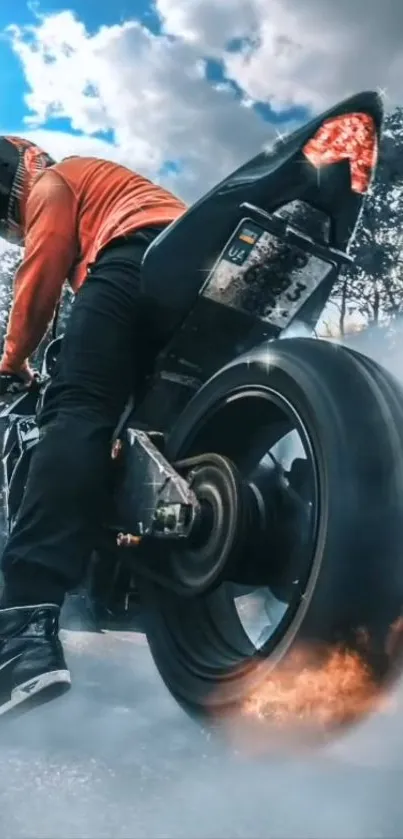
(257, 507)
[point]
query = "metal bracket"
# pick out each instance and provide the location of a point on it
(284, 229)
(152, 499)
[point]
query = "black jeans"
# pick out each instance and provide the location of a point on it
(66, 498)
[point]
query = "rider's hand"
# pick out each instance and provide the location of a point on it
(11, 384)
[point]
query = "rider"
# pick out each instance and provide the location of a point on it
(88, 221)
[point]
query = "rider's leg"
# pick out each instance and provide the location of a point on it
(66, 498)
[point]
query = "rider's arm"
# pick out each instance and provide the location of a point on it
(50, 251)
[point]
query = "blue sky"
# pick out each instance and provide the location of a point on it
(190, 88)
(93, 13)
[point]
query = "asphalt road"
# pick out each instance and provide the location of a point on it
(116, 758)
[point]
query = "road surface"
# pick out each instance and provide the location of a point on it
(116, 758)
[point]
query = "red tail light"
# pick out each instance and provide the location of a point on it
(349, 137)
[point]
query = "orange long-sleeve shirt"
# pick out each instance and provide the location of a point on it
(74, 209)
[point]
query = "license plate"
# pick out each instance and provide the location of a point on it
(260, 274)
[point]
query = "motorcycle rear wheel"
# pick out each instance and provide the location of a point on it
(341, 582)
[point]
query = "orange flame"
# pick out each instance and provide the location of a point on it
(350, 137)
(303, 699)
(326, 695)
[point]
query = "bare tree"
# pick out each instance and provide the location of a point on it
(373, 289)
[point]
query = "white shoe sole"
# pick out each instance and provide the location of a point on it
(40, 684)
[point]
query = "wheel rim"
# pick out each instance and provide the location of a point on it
(254, 618)
(208, 648)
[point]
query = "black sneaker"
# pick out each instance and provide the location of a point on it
(32, 665)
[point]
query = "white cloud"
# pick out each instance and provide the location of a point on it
(61, 144)
(149, 90)
(305, 53)
(209, 23)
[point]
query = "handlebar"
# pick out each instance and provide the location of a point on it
(13, 385)
(11, 397)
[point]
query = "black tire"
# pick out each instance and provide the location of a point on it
(352, 593)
